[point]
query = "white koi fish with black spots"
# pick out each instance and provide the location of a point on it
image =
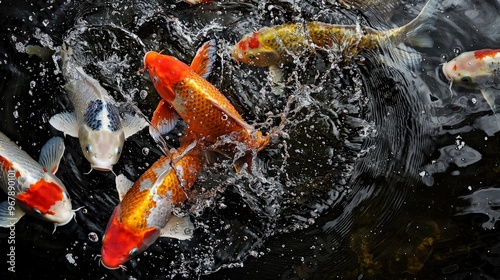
(32, 187)
(96, 120)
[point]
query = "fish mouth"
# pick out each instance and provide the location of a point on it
(102, 168)
(445, 72)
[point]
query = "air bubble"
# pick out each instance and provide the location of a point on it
(145, 151)
(143, 94)
(93, 237)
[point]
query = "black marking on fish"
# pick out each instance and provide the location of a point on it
(90, 116)
(114, 117)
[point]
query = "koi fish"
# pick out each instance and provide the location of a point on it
(476, 70)
(185, 92)
(145, 210)
(273, 46)
(42, 52)
(96, 121)
(31, 186)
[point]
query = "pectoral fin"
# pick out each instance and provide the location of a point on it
(204, 59)
(132, 124)
(164, 118)
(179, 228)
(237, 119)
(277, 79)
(10, 213)
(65, 122)
(122, 185)
(489, 96)
(51, 154)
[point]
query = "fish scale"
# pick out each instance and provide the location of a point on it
(203, 118)
(138, 204)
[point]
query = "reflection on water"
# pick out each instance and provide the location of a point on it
(381, 173)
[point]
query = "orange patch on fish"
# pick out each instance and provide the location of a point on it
(455, 67)
(480, 54)
(120, 239)
(41, 195)
(6, 165)
(252, 42)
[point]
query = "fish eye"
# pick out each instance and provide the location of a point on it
(134, 251)
(66, 195)
(155, 79)
(251, 56)
(38, 212)
(118, 150)
(88, 148)
(466, 79)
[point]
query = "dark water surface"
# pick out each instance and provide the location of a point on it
(382, 173)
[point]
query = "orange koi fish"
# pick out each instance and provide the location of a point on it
(32, 187)
(185, 93)
(145, 212)
(273, 46)
(476, 70)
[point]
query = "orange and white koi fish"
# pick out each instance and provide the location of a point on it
(145, 212)
(32, 187)
(96, 121)
(476, 70)
(185, 93)
(273, 46)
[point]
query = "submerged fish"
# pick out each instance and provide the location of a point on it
(273, 46)
(185, 93)
(42, 52)
(96, 120)
(31, 186)
(476, 70)
(145, 212)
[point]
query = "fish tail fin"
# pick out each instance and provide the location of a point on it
(416, 32)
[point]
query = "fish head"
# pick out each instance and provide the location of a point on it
(469, 70)
(47, 199)
(102, 148)
(253, 49)
(120, 242)
(165, 71)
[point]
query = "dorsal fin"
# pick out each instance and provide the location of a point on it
(204, 59)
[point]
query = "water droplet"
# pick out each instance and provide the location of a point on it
(45, 22)
(32, 84)
(145, 151)
(16, 114)
(93, 237)
(143, 94)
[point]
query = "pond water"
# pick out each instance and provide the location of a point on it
(381, 172)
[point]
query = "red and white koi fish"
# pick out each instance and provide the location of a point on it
(207, 112)
(145, 211)
(476, 70)
(32, 187)
(96, 121)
